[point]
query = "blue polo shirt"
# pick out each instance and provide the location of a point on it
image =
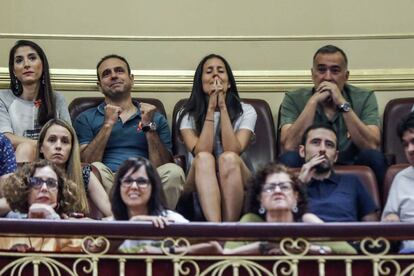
(125, 140)
(339, 198)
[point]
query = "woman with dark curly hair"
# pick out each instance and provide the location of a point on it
(40, 190)
(41, 183)
(217, 127)
(30, 102)
(275, 195)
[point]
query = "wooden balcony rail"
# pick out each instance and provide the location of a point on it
(375, 257)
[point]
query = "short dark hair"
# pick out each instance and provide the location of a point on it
(112, 56)
(155, 207)
(259, 179)
(317, 126)
(331, 49)
(405, 124)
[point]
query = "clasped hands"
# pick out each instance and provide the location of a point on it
(329, 92)
(217, 94)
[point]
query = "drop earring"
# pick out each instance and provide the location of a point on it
(262, 210)
(16, 84)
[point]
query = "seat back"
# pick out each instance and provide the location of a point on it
(393, 112)
(389, 178)
(261, 151)
(365, 175)
(78, 105)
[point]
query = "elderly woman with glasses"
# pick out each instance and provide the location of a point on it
(277, 196)
(40, 190)
(136, 197)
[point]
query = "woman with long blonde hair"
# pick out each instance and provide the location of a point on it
(58, 143)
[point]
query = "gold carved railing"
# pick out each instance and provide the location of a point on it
(376, 257)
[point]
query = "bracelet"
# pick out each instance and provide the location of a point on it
(209, 120)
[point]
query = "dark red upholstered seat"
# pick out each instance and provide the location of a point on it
(394, 111)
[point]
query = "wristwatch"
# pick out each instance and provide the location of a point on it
(345, 107)
(151, 126)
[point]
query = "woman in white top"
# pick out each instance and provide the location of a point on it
(216, 128)
(30, 102)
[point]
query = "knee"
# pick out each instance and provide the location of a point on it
(172, 173)
(229, 160)
(27, 147)
(177, 174)
(204, 158)
(26, 152)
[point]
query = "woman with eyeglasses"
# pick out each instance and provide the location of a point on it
(58, 143)
(136, 197)
(30, 102)
(40, 190)
(277, 196)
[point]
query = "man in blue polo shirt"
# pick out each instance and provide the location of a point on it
(120, 128)
(332, 197)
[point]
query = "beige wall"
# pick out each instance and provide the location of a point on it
(268, 42)
(295, 29)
